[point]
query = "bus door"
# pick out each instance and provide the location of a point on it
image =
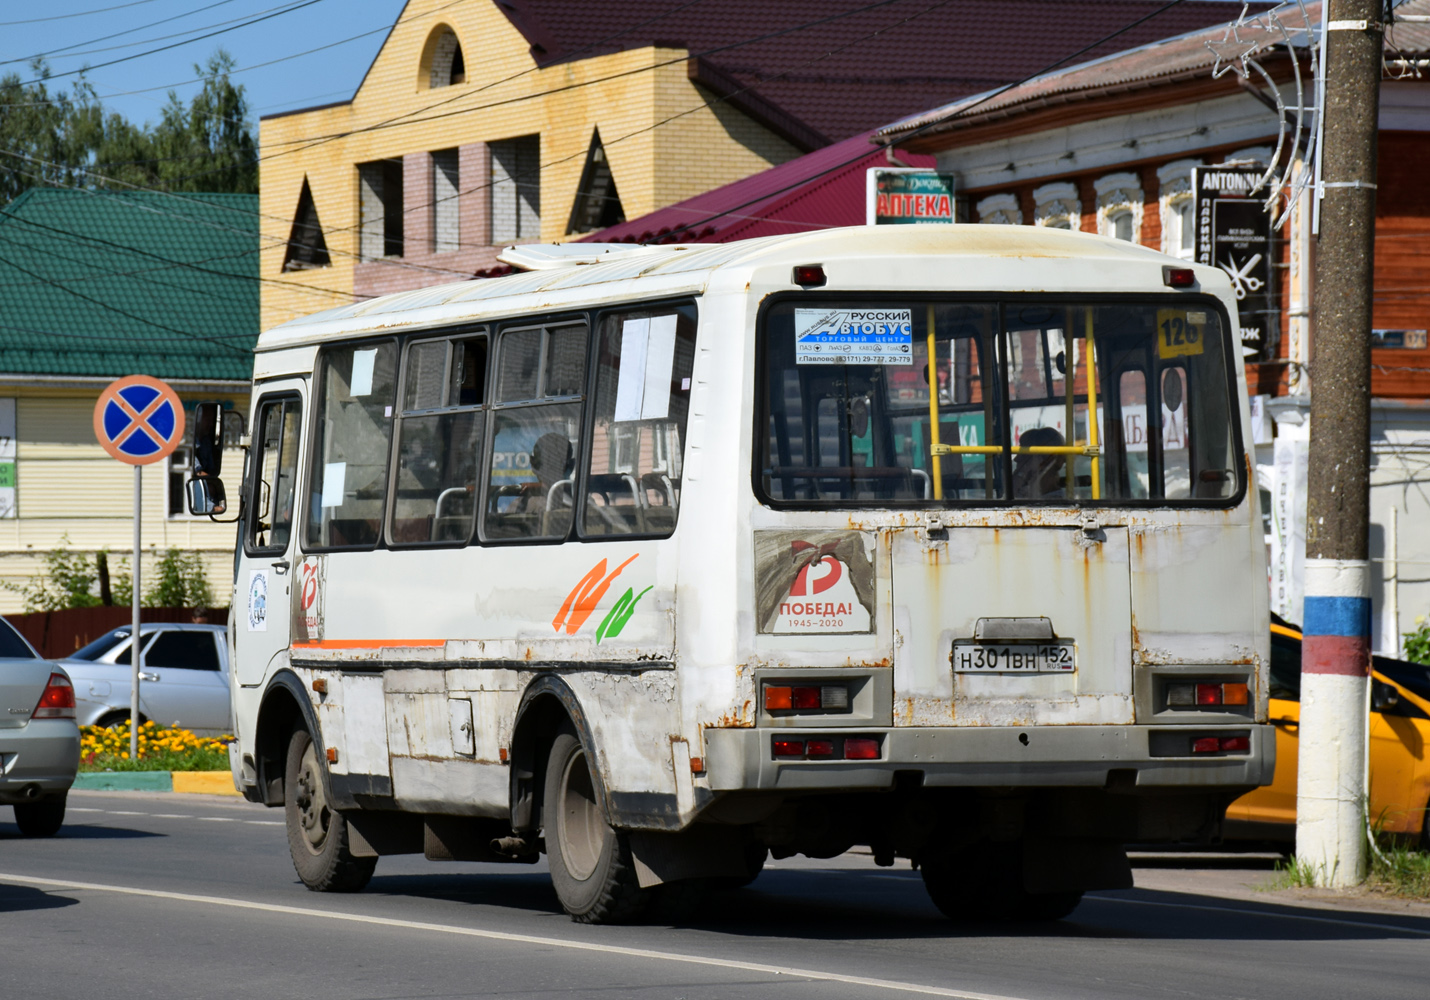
(1019, 606)
(266, 579)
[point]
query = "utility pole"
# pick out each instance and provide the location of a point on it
(1335, 658)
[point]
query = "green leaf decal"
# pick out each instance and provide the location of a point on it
(619, 614)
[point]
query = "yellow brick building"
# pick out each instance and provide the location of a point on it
(458, 142)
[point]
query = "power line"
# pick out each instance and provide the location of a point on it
(82, 13)
(174, 45)
(119, 34)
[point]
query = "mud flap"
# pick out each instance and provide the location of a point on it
(696, 852)
(1074, 864)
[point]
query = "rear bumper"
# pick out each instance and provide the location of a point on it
(1028, 756)
(42, 755)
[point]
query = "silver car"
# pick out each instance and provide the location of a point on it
(39, 740)
(184, 681)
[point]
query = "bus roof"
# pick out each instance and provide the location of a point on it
(601, 273)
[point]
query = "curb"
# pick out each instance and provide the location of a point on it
(192, 782)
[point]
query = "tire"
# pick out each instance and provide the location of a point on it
(116, 719)
(43, 818)
(317, 833)
(590, 862)
(985, 883)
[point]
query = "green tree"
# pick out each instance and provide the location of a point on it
(44, 134)
(1417, 643)
(179, 581)
(208, 145)
(59, 138)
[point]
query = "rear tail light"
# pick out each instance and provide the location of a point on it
(1178, 277)
(806, 698)
(859, 748)
(1236, 744)
(1206, 744)
(1207, 694)
(57, 702)
(820, 748)
(789, 748)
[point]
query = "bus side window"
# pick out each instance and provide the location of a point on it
(643, 370)
(357, 388)
(270, 508)
(536, 427)
(439, 442)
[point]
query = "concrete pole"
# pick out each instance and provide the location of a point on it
(1335, 659)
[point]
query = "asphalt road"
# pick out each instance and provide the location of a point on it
(191, 896)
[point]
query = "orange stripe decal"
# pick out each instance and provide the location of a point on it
(370, 644)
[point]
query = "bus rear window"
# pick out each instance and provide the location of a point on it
(926, 401)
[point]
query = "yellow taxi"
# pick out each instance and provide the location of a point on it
(1399, 733)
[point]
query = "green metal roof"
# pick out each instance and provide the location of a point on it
(112, 283)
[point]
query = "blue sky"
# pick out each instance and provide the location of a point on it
(138, 87)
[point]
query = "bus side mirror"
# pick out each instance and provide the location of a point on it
(1382, 696)
(208, 439)
(206, 495)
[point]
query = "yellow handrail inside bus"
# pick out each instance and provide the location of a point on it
(1031, 449)
(1092, 408)
(934, 446)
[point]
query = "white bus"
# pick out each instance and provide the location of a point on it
(941, 541)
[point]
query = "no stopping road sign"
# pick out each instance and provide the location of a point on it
(139, 420)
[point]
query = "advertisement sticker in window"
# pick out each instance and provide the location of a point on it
(854, 336)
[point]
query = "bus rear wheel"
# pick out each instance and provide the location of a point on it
(590, 862)
(317, 833)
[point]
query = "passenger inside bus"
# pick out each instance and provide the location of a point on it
(1037, 477)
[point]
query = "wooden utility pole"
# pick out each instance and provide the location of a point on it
(1335, 659)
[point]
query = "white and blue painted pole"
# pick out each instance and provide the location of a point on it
(1335, 674)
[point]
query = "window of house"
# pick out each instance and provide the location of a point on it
(1057, 206)
(439, 442)
(516, 189)
(446, 221)
(273, 493)
(1119, 206)
(535, 431)
(1174, 195)
(643, 370)
(447, 68)
(306, 245)
(598, 205)
(380, 209)
(1000, 210)
(357, 385)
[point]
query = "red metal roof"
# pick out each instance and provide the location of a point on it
(817, 191)
(868, 63)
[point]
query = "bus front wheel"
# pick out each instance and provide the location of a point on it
(317, 833)
(590, 862)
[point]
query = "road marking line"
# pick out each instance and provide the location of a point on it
(171, 816)
(1264, 913)
(263, 822)
(79, 809)
(125, 812)
(216, 819)
(546, 942)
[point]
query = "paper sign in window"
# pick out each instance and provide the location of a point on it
(335, 475)
(363, 362)
(647, 366)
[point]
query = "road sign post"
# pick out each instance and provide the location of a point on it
(139, 420)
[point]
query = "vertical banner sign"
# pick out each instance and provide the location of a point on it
(138, 420)
(7, 458)
(1234, 234)
(901, 196)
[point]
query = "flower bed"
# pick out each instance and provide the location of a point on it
(160, 749)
